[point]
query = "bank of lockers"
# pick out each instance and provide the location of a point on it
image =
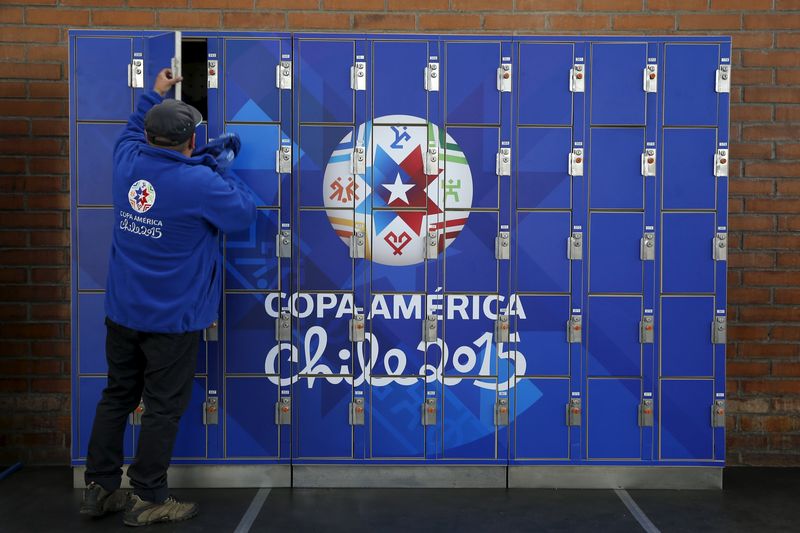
(484, 250)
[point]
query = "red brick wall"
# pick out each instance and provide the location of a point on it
(763, 354)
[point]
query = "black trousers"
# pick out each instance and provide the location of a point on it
(157, 368)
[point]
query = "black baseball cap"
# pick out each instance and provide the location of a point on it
(171, 123)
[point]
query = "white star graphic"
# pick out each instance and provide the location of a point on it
(398, 189)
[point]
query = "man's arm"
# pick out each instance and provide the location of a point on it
(134, 131)
(228, 204)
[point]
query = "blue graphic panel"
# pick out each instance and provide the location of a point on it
(689, 181)
(324, 251)
(250, 91)
(539, 430)
(395, 418)
(255, 164)
(543, 70)
(397, 85)
(395, 347)
(317, 144)
(471, 93)
(686, 348)
(542, 339)
(469, 337)
(470, 263)
(615, 168)
(542, 263)
(250, 333)
(613, 336)
(95, 228)
(90, 390)
(324, 70)
(249, 408)
(614, 241)
(321, 424)
(616, 77)
(325, 347)
(104, 97)
(191, 439)
(468, 419)
(690, 97)
(250, 254)
(543, 179)
(91, 334)
(686, 431)
(688, 264)
(95, 163)
(612, 414)
(479, 147)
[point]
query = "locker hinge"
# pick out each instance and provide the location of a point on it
(503, 162)
(649, 162)
(504, 78)
(211, 333)
(430, 328)
(574, 412)
(646, 331)
(213, 74)
(647, 247)
(283, 75)
(358, 76)
(721, 247)
(431, 245)
(356, 414)
(136, 74)
(646, 413)
(432, 161)
(650, 82)
(502, 246)
(432, 77)
(211, 411)
(576, 162)
(283, 412)
(501, 412)
(577, 78)
(718, 414)
(501, 329)
(721, 163)
(574, 327)
(135, 417)
(724, 79)
(357, 245)
(283, 244)
(719, 330)
(429, 412)
(283, 327)
(283, 160)
(359, 159)
(575, 246)
(357, 328)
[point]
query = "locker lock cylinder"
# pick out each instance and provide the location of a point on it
(283, 160)
(430, 328)
(719, 329)
(501, 412)
(504, 78)
(213, 79)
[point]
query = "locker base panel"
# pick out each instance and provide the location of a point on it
(399, 476)
(615, 477)
(212, 476)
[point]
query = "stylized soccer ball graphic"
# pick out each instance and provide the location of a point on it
(396, 201)
(141, 196)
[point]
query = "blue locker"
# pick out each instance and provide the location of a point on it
(397, 80)
(542, 264)
(615, 172)
(540, 430)
(689, 181)
(543, 71)
(479, 147)
(91, 334)
(470, 82)
(250, 258)
(249, 69)
(320, 424)
(686, 349)
(685, 415)
(250, 432)
(612, 419)
(469, 337)
(250, 334)
(687, 247)
(613, 346)
(323, 80)
(470, 263)
(102, 97)
(394, 409)
(396, 327)
(617, 91)
(319, 146)
(324, 261)
(95, 145)
(542, 340)
(468, 429)
(256, 168)
(690, 97)
(543, 180)
(615, 264)
(95, 228)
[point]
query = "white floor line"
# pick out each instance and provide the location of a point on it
(252, 512)
(636, 511)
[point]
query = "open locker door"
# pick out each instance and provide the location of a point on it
(162, 51)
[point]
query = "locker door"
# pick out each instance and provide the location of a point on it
(251, 262)
(250, 429)
(543, 179)
(687, 261)
(324, 80)
(614, 261)
(544, 82)
(540, 431)
(613, 336)
(542, 263)
(91, 334)
(615, 173)
(470, 175)
(162, 51)
(686, 348)
(470, 263)
(191, 438)
(396, 431)
(95, 146)
(690, 97)
(468, 429)
(255, 165)
(250, 345)
(686, 431)
(90, 390)
(397, 82)
(688, 179)
(95, 228)
(471, 95)
(251, 94)
(617, 93)
(108, 96)
(541, 327)
(327, 150)
(320, 418)
(612, 418)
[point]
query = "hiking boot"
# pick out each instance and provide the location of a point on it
(141, 513)
(97, 501)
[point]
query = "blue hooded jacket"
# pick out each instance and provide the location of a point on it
(165, 269)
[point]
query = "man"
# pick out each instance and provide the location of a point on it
(164, 286)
